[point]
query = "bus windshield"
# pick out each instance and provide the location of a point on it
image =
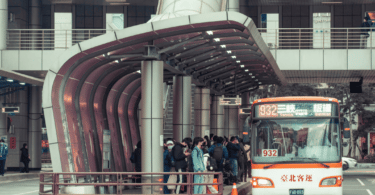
(295, 140)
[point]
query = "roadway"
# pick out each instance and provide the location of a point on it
(356, 182)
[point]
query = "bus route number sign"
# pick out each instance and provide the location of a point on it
(269, 153)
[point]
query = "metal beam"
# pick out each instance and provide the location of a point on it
(242, 86)
(188, 51)
(199, 56)
(124, 56)
(171, 48)
(210, 61)
(21, 77)
(232, 34)
(220, 68)
(218, 76)
(205, 68)
(248, 90)
(235, 41)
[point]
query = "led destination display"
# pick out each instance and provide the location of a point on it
(298, 109)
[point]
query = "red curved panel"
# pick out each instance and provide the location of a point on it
(132, 115)
(111, 109)
(128, 146)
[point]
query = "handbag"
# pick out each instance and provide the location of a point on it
(172, 179)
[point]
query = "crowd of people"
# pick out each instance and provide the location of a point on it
(202, 155)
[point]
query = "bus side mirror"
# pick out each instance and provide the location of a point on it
(345, 144)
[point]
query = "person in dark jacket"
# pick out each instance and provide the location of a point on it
(364, 32)
(25, 158)
(233, 150)
(168, 161)
(138, 161)
(3, 156)
(241, 160)
(180, 156)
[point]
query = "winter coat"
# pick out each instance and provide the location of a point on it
(138, 159)
(24, 155)
(197, 156)
(3, 151)
(233, 150)
(179, 157)
(168, 160)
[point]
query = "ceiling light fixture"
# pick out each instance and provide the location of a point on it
(247, 70)
(115, 1)
(209, 32)
(117, 61)
(242, 66)
(234, 57)
(223, 46)
(10, 80)
(22, 83)
(229, 51)
(253, 77)
(217, 39)
(250, 74)
(260, 83)
(238, 61)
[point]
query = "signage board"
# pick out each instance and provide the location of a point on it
(11, 109)
(106, 165)
(230, 101)
(12, 143)
(245, 111)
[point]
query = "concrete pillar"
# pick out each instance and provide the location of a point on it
(231, 121)
(35, 15)
(244, 104)
(152, 124)
(35, 127)
(3, 23)
(181, 107)
(217, 117)
(234, 5)
(202, 112)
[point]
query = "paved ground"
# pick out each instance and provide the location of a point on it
(359, 182)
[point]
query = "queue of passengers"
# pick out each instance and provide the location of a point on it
(202, 155)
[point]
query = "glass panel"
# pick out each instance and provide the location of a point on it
(322, 32)
(115, 21)
(63, 32)
(270, 25)
(295, 140)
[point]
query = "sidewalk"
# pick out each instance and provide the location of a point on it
(16, 175)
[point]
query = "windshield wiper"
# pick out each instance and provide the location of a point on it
(326, 166)
(268, 166)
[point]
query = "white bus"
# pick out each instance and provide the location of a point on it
(296, 146)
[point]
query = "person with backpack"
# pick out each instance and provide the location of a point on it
(198, 164)
(234, 150)
(168, 162)
(219, 152)
(180, 156)
(137, 160)
(210, 166)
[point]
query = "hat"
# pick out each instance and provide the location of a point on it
(170, 142)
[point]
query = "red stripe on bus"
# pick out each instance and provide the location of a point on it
(297, 166)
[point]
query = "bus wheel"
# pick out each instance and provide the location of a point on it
(345, 166)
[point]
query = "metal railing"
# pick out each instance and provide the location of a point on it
(282, 38)
(313, 38)
(122, 177)
(49, 39)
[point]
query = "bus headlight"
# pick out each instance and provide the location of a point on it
(329, 182)
(264, 182)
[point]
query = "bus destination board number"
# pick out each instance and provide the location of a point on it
(269, 153)
(230, 101)
(293, 110)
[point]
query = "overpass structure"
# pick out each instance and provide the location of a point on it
(114, 80)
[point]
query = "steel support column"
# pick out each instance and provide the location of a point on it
(202, 112)
(35, 127)
(35, 15)
(231, 121)
(181, 107)
(3, 23)
(152, 123)
(217, 117)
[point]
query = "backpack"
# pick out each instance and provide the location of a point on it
(218, 153)
(212, 165)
